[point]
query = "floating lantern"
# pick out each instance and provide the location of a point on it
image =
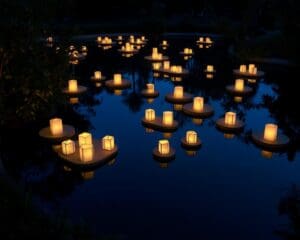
(167, 118)
(143, 38)
(163, 147)
(150, 87)
(149, 114)
(108, 143)
(243, 68)
(270, 132)
(230, 118)
(50, 40)
(164, 43)
(97, 75)
(72, 85)
(68, 147)
(154, 50)
(56, 126)
(120, 38)
(186, 51)
(99, 39)
(251, 67)
(85, 138)
(86, 152)
(178, 92)
(239, 85)
(166, 65)
(84, 49)
(191, 137)
(209, 68)
(117, 79)
(198, 104)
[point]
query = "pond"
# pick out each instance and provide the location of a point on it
(228, 189)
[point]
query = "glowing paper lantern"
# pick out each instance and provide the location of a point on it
(117, 79)
(210, 68)
(166, 65)
(230, 118)
(150, 87)
(251, 67)
(68, 147)
(97, 75)
(198, 104)
(167, 118)
(86, 152)
(270, 132)
(108, 143)
(191, 137)
(56, 126)
(154, 50)
(186, 50)
(239, 85)
(149, 114)
(85, 138)
(72, 85)
(163, 147)
(178, 92)
(243, 68)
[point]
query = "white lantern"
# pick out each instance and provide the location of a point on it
(191, 137)
(86, 152)
(108, 143)
(150, 114)
(198, 104)
(56, 126)
(163, 147)
(230, 118)
(178, 92)
(85, 138)
(68, 147)
(117, 79)
(239, 85)
(167, 118)
(97, 75)
(72, 85)
(270, 132)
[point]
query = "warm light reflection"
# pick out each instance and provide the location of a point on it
(74, 100)
(270, 132)
(178, 107)
(163, 165)
(238, 99)
(197, 121)
(228, 135)
(118, 92)
(266, 154)
(149, 130)
(191, 153)
(150, 100)
(88, 175)
(167, 135)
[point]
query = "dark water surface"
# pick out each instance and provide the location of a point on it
(228, 190)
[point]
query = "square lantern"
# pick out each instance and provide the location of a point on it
(68, 147)
(72, 85)
(191, 137)
(166, 65)
(150, 87)
(243, 68)
(85, 138)
(163, 147)
(230, 118)
(178, 92)
(97, 75)
(117, 79)
(168, 118)
(56, 126)
(210, 68)
(270, 132)
(108, 143)
(86, 152)
(150, 114)
(198, 104)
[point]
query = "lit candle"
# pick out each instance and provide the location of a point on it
(150, 87)
(56, 126)
(108, 143)
(178, 92)
(117, 78)
(198, 104)
(149, 114)
(68, 147)
(239, 84)
(163, 147)
(97, 75)
(166, 65)
(191, 137)
(73, 85)
(167, 118)
(85, 138)
(210, 68)
(243, 68)
(230, 118)
(270, 132)
(86, 152)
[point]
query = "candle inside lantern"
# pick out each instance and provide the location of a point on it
(243, 68)
(163, 147)
(270, 132)
(150, 87)
(68, 147)
(97, 75)
(108, 142)
(210, 68)
(117, 78)
(239, 84)
(198, 104)
(230, 118)
(167, 118)
(191, 137)
(166, 65)
(178, 92)
(56, 126)
(86, 152)
(150, 114)
(85, 138)
(72, 84)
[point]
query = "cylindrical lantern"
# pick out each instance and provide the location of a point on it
(99, 39)
(243, 68)
(86, 152)
(154, 50)
(56, 126)
(270, 132)
(97, 75)
(251, 67)
(178, 92)
(210, 68)
(117, 79)
(85, 138)
(163, 146)
(230, 118)
(164, 43)
(150, 114)
(120, 38)
(84, 49)
(68, 147)
(198, 104)
(191, 137)
(108, 143)
(166, 65)
(150, 87)
(73, 85)
(201, 39)
(239, 85)
(186, 51)
(168, 118)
